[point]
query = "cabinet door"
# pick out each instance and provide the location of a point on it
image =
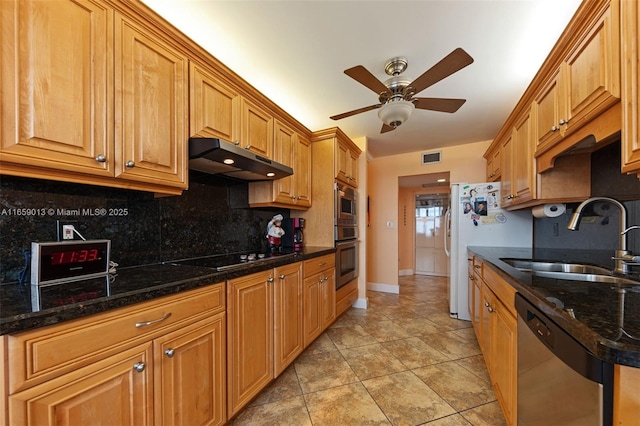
(116, 390)
(256, 129)
(312, 325)
(503, 354)
(593, 69)
(486, 297)
(151, 107)
(328, 298)
(630, 14)
(57, 85)
(288, 315)
(493, 165)
(190, 374)
(284, 152)
(342, 161)
(508, 191)
(211, 106)
(550, 105)
(522, 162)
(249, 337)
(302, 172)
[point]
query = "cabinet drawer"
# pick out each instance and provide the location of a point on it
(39, 355)
(315, 265)
(504, 291)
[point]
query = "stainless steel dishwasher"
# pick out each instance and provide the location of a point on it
(560, 383)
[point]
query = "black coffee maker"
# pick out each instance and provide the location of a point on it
(293, 235)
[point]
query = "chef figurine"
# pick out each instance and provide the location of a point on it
(275, 233)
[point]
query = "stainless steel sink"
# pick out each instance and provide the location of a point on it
(568, 271)
(526, 265)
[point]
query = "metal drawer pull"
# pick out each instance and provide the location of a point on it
(139, 367)
(101, 158)
(282, 276)
(169, 353)
(146, 323)
(322, 264)
(130, 164)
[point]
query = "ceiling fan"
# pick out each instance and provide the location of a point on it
(396, 95)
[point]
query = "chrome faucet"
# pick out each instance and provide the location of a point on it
(622, 256)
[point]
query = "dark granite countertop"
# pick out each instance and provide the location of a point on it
(604, 318)
(20, 309)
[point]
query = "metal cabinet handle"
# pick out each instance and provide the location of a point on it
(270, 280)
(236, 142)
(476, 266)
(471, 277)
(563, 121)
(486, 304)
(169, 353)
(282, 276)
(322, 264)
(299, 197)
(130, 164)
(146, 323)
(490, 309)
(101, 158)
(555, 128)
(139, 366)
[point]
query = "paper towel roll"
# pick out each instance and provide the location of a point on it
(548, 210)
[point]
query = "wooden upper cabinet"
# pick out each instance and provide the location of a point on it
(346, 162)
(151, 107)
(506, 149)
(256, 128)
(294, 192)
(630, 92)
(593, 68)
(587, 81)
(212, 106)
(302, 172)
(550, 108)
(493, 164)
(522, 163)
(57, 85)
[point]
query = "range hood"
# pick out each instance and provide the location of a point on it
(216, 156)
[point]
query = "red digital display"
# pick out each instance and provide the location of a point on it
(74, 256)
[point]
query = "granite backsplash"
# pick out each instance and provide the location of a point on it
(599, 231)
(212, 217)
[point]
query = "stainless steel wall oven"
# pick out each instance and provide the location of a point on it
(346, 234)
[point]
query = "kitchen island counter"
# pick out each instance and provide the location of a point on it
(24, 307)
(604, 318)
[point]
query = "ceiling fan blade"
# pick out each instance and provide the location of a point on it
(439, 104)
(364, 77)
(355, 111)
(450, 64)
(386, 128)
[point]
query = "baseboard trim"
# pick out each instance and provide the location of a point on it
(384, 288)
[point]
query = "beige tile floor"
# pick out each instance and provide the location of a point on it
(403, 361)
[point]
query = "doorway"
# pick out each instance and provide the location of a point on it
(427, 190)
(430, 255)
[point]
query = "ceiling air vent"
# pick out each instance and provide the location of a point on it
(431, 157)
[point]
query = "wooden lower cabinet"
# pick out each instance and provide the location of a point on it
(495, 324)
(159, 362)
(346, 296)
(116, 390)
(288, 315)
(190, 375)
(249, 337)
(319, 296)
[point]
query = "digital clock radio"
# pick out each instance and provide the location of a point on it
(55, 262)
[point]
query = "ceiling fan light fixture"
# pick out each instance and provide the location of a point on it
(395, 113)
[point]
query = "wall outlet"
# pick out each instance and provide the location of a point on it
(67, 232)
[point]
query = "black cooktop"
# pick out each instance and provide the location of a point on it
(226, 262)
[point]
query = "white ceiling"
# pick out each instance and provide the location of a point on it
(295, 53)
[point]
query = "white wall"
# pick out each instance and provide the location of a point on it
(465, 163)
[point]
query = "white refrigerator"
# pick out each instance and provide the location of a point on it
(475, 218)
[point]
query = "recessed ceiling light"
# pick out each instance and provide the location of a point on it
(271, 174)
